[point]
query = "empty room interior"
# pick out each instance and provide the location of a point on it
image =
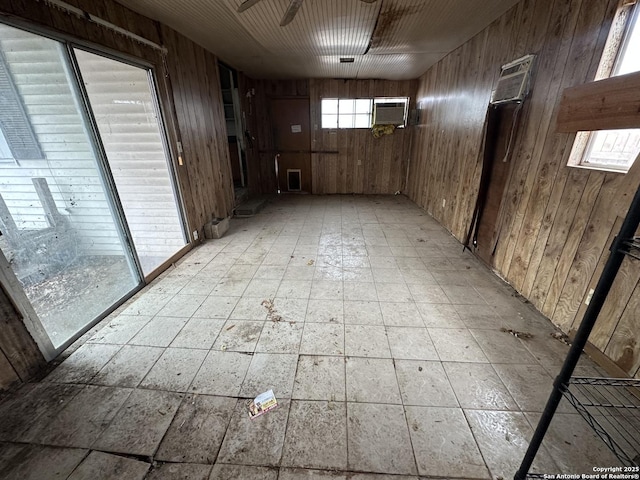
(319, 239)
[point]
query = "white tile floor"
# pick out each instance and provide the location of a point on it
(383, 346)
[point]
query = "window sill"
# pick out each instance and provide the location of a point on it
(599, 168)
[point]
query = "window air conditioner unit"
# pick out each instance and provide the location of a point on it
(388, 113)
(513, 84)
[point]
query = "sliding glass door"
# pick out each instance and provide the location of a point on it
(88, 205)
(122, 99)
(61, 232)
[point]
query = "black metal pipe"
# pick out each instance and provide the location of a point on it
(627, 231)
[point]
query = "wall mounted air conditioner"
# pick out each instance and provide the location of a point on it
(513, 84)
(389, 113)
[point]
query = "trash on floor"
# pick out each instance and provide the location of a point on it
(262, 404)
(561, 336)
(516, 333)
(310, 262)
(271, 308)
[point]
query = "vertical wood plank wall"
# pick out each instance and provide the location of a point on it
(192, 89)
(557, 221)
(336, 152)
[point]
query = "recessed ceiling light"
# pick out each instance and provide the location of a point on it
(346, 59)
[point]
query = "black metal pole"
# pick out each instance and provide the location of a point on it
(627, 231)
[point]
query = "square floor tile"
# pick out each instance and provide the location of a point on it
(128, 367)
(199, 285)
(387, 275)
(458, 456)
(121, 329)
(322, 339)
(159, 332)
(529, 385)
(291, 309)
(424, 383)
(362, 275)
(372, 380)
(106, 465)
(362, 313)
(428, 294)
(84, 417)
(394, 292)
(239, 336)
(26, 416)
(174, 370)
(255, 441)
(326, 290)
(262, 288)
(440, 315)
(37, 463)
(503, 438)
(223, 471)
(148, 304)
(198, 333)
(83, 364)
(478, 386)
(456, 345)
(316, 435)
(221, 373)
(320, 378)
(270, 371)
(294, 289)
(308, 474)
(378, 439)
(217, 307)
(179, 471)
(140, 424)
(480, 316)
(230, 287)
(463, 295)
(270, 272)
(197, 430)
(573, 445)
(366, 341)
(280, 337)
(182, 306)
(363, 291)
(323, 311)
(401, 314)
(411, 343)
(504, 348)
(250, 308)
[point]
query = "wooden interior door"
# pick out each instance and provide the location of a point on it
(499, 131)
(292, 139)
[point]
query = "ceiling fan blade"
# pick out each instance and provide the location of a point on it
(246, 5)
(294, 6)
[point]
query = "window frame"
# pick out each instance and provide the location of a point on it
(626, 22)
(372, 101)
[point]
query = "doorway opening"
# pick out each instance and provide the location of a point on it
(234, 124)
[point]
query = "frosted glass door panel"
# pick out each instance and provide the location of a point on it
(124, 107)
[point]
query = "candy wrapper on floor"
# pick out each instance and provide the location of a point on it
(262, 404)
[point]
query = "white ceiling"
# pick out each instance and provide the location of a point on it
(391, 39)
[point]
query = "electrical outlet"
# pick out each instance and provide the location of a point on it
(444, 202)
(589, 297)
(195, 234)
(359, 162)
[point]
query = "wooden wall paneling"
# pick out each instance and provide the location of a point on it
(549, 153)
(543, 164)
(571, 241)
(8, 375)
(16, 343)
(624, 348)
